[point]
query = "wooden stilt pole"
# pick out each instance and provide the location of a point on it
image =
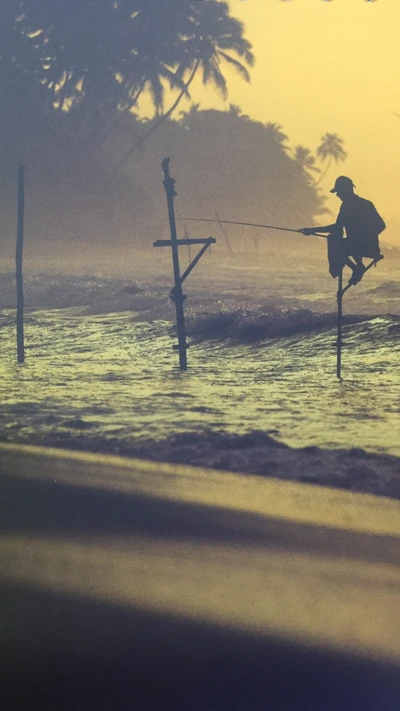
(224, 232)
(339, 342)
(18, 265)
(177, 296)
(340, 293)
(207, 245)
(187, 236)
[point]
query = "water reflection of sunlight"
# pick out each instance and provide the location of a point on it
(114, 375)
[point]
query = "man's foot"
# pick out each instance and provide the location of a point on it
(358, 273)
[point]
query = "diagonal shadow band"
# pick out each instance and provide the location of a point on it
(65, 653)
(59, 510)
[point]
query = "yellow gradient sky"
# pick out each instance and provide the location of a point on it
(327, 67)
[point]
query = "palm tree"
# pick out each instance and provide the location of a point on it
(305, 159)
(330, 149)
(99, 57)
(187, 116)
(214, 36)
(275, 133)
(102, 55)
(24, 101)
(235, 111)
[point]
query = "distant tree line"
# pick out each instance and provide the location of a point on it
(225, 162)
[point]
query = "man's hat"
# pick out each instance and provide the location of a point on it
(342, 182)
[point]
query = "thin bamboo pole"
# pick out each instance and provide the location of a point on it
(339, 341)
(340, 293)
(18, 265)
(187, 236)
(245, 224)
(224, 232)
(197, 258)
(249, 224)
(177, 295)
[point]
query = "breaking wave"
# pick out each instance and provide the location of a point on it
(101, 373)
(250, 326)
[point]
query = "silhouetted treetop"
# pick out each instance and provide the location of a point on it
(330, 148)
(106, 53)
(225, 162)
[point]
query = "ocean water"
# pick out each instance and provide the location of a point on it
(100, 364)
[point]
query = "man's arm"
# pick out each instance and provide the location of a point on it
(337, 227)
(314, 230)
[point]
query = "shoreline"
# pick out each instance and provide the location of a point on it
(255, 453)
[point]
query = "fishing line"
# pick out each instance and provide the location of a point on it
(246, 224)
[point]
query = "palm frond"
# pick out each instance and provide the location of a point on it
(239, 67)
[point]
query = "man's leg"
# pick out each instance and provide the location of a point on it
(349, 262)
(358, 269)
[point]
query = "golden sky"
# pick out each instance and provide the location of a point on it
(327, 67)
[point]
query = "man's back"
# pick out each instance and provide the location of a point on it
(362, 223)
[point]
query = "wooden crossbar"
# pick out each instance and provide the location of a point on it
(168, 242)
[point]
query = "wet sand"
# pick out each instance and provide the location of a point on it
(256, 453)
(128, 584)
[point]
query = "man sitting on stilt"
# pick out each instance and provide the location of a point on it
(363, 225)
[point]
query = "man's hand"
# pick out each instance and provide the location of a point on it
(309, 230)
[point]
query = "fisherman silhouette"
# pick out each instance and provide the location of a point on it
(362, 223)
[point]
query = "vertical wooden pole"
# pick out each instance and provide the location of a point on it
(18, 265)
(177, 296)
(339, 325)
(187, 236)
(224, 232)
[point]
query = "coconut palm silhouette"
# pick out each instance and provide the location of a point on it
(236, 111)
(330, 149)
(98, 59)
(192, 113)
(213, 39)
(275, 132)
(305, 159)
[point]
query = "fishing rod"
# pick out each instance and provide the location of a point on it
(247, 224)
